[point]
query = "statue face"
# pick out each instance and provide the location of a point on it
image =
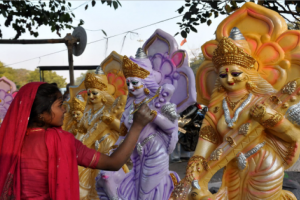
(94, 95)
(135, 86)
(77, 115)
(232, 78)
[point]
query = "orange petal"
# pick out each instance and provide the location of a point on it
(269, 53)
(289, 40)
(208, 49)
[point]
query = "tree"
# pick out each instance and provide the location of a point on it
(201, 11)
(22, 76)
(28, 15)
(50, 77)
(80, 78)
(196, 61)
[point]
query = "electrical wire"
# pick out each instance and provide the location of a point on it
(106, 38)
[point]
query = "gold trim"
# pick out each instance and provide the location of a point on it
(152, 40)
(174, 179)
(187, 89)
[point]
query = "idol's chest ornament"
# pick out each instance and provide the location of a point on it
(230, 121)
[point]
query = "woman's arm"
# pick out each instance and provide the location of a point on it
(114, 162)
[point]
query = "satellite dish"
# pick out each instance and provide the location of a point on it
(78, 48)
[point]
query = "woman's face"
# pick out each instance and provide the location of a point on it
(77, 115)
(56, 118)
(135, 86)
(94, 95)
(232, 78)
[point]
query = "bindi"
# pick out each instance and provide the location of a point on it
(227, 70)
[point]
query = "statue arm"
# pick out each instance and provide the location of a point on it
(165, 124)
(275, 122)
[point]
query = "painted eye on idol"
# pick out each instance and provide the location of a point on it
(236, 74)
(128, 84)
(134, 82)
(223, 75)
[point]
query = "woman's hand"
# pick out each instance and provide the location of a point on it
(143, 116)
(114, 162)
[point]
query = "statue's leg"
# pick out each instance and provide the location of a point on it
(155, 181)
(261, 179)
(84, 182)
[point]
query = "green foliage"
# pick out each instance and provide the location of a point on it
(28, 15)
(200, 11)
(196, 62)
(22, 76)
(80, 78)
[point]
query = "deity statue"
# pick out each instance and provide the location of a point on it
(163, 80)
(8, 91)
(252, 124)
(75, 109)
(98, 124)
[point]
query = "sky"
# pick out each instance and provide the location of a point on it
(132, 15)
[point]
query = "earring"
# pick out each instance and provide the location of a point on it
(250, 85)
(147, 91)
(104, 100)
(42, 118)
(221, 89)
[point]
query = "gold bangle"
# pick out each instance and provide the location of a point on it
(195, 161)
(272, 121)
(209, 134)
(108, 120)
(153, 112)
(262, 113)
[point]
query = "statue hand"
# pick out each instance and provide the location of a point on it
(262, 112)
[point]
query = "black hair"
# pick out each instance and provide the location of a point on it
(46, 95)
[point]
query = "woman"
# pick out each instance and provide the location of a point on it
(244, 131)
(38, 159)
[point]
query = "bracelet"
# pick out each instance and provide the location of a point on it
(153, 112)
(108, 120)
(262, 113)
(193, 163)
(208, 133)
(272, 121)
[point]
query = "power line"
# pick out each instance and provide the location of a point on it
(106, 38)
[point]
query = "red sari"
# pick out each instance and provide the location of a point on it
(63, 153)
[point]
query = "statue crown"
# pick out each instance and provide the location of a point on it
(91, 81)
(77, 104)
(228, 53)
(131, 69)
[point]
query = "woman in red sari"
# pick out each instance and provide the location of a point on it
(38, 160)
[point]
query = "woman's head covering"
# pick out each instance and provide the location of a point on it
(62, 162)
(12, 134)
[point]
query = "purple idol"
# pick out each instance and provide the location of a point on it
(160, 76)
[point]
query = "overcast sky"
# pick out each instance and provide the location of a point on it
(132, 15)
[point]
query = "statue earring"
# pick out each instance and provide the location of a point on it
(221, 89)
(104, 100)
(147, 91)
(250, 85)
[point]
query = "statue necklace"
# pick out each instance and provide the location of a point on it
(232, 105)
(230, 121)
(95, 115)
